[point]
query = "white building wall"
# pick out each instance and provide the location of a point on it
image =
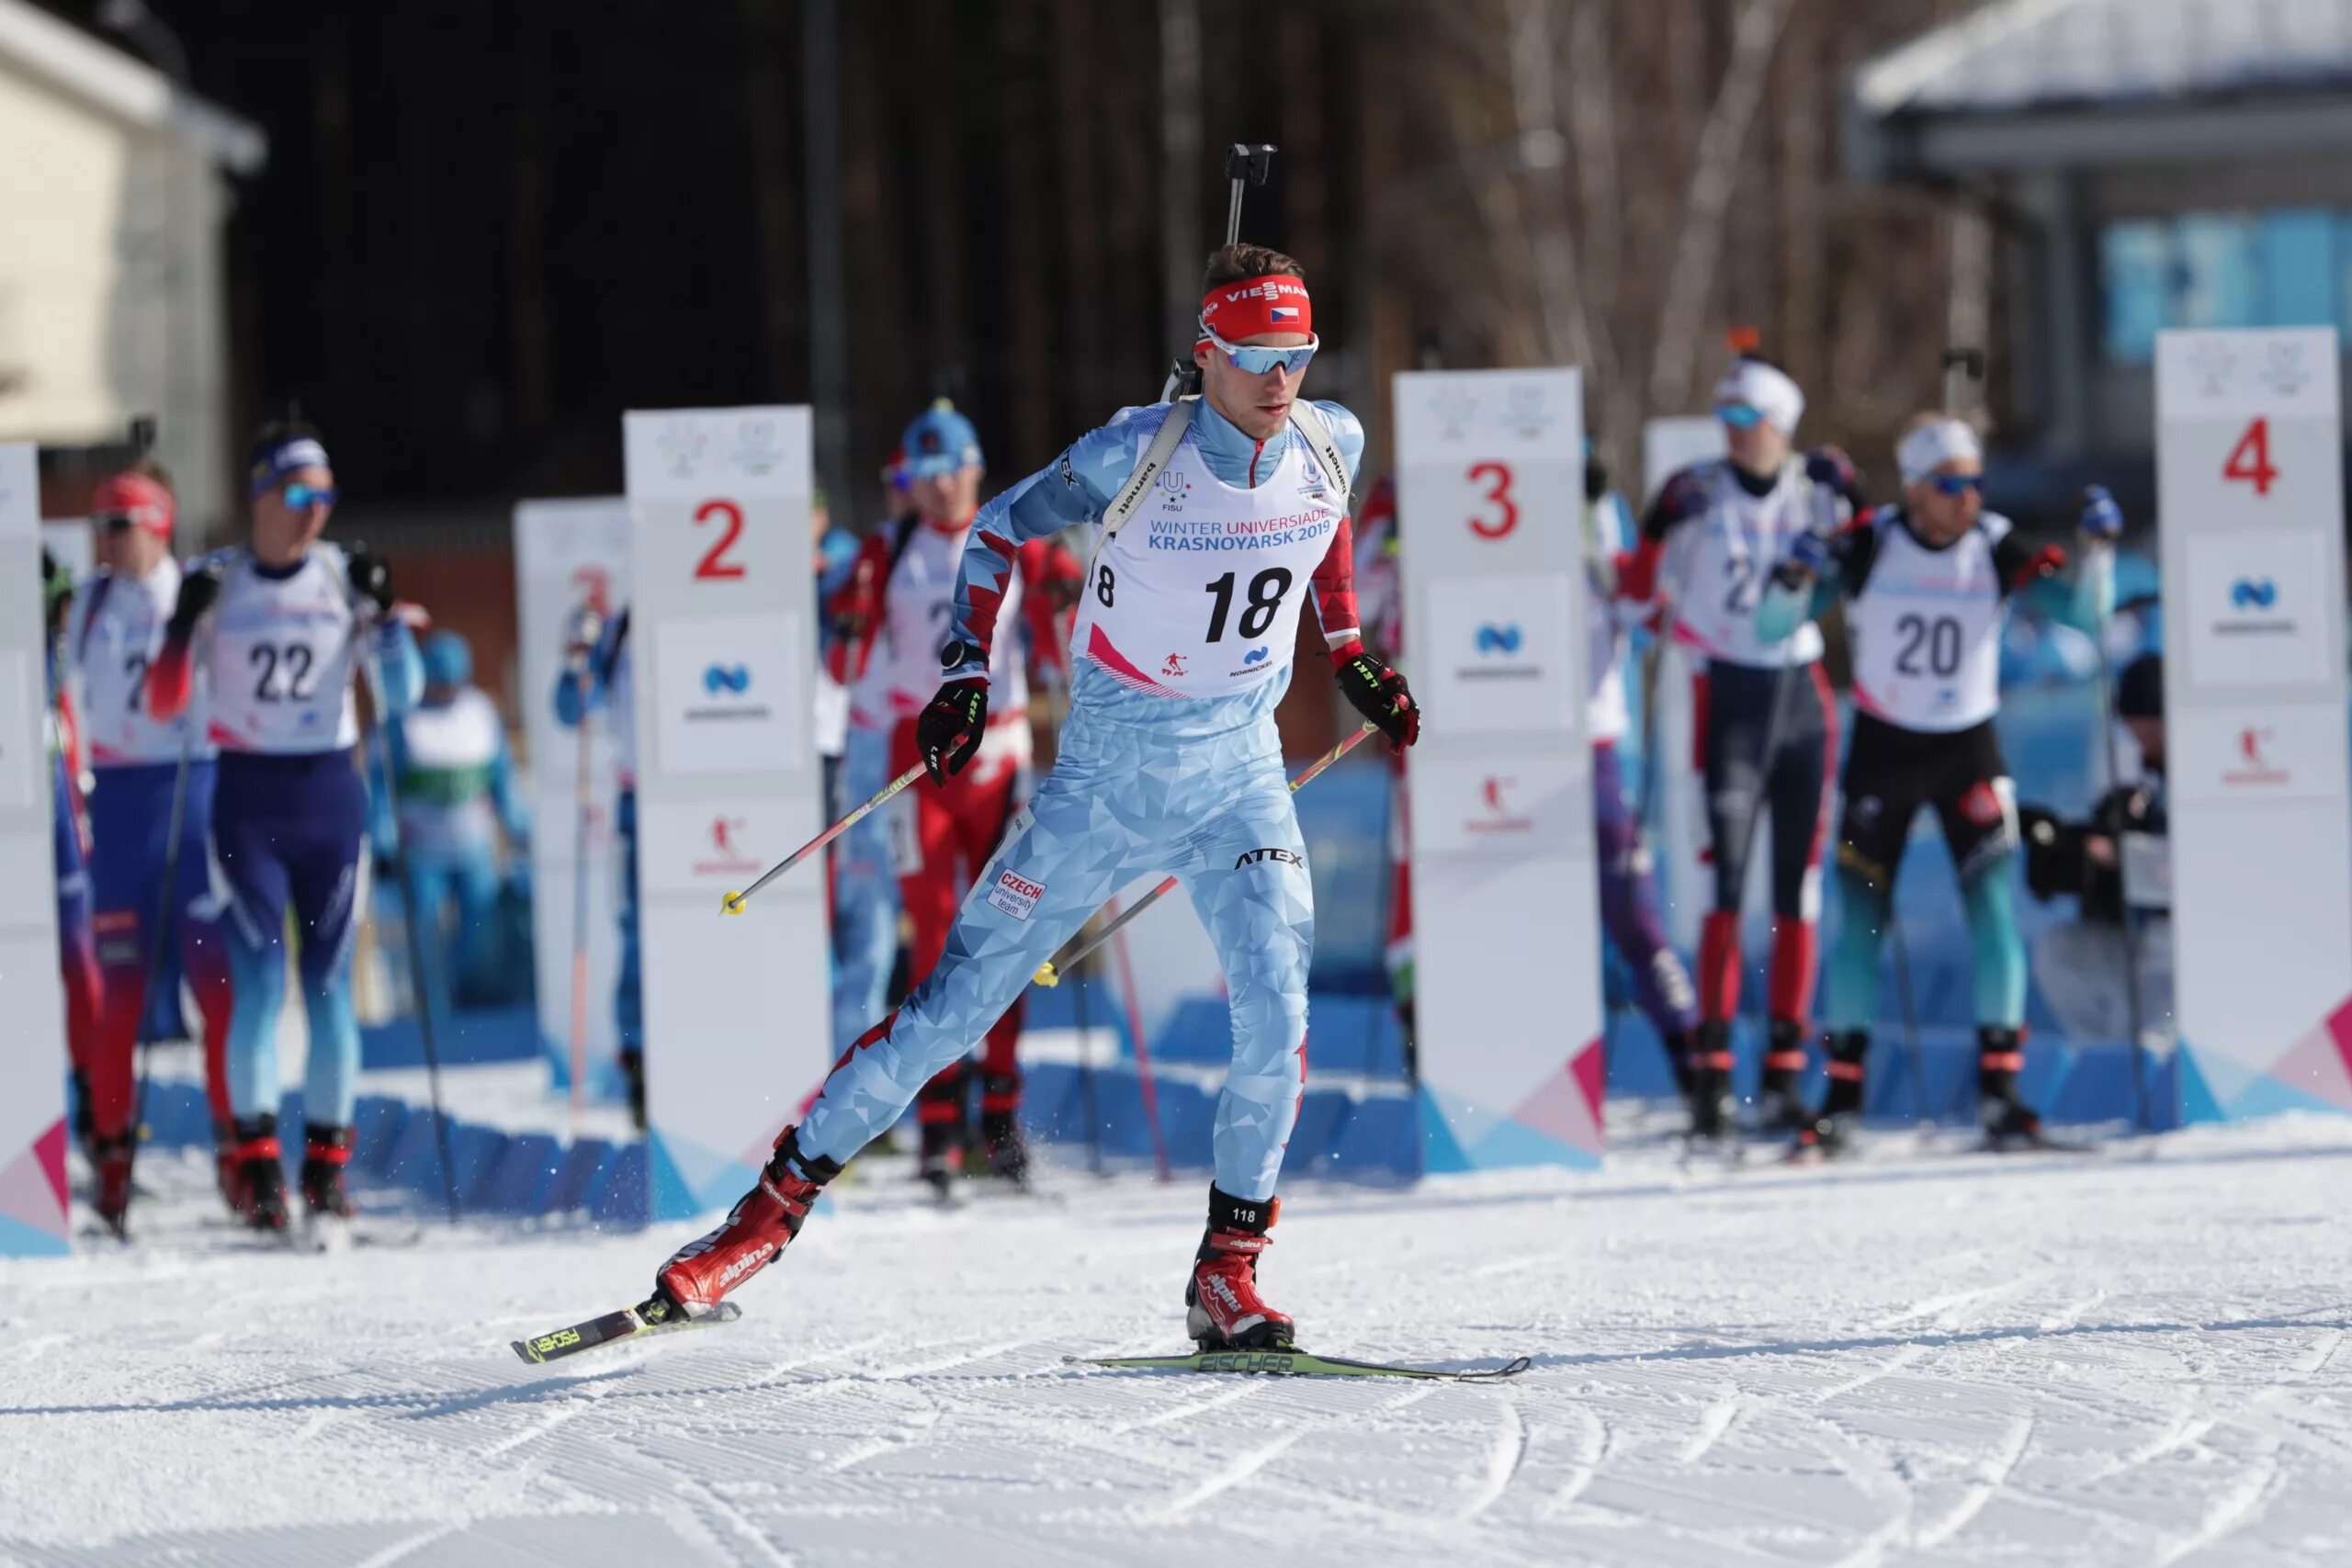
(112, 296)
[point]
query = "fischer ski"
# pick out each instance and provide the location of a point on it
(650, 1316)
(1294, 1363)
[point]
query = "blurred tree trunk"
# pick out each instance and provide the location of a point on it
(1700, 187)
(768, 98)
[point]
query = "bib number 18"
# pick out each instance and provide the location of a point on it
(1266, 590)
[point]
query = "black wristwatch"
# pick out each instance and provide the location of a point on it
(959, 653)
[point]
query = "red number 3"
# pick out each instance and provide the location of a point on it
(1497, 476)
(714, 563)
(2249, 461)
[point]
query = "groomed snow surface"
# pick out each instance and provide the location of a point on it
(1928, 1356)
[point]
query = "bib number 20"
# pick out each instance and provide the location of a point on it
(1266, 590)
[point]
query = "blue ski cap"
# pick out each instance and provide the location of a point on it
(940, 442)
(448, 660)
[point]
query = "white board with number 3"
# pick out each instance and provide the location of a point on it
(1507, 943)
(2250, 510)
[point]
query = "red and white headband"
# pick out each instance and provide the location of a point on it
(1255, 306)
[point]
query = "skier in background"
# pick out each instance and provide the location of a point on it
(1183, 646)
(1766, 718)
(457, 796)
(282, 628)
(601, 646)
(137, 764)
(1629, 911)
(865, 889)
(901, 593)
(1927, 586)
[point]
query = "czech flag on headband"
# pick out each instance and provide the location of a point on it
(1275, 303)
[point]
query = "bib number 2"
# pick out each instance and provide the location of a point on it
(1266, 590)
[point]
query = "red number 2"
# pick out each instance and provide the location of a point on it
(714, 563)
(1497, 477)
(2250, 458)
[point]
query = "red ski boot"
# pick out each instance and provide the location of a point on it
(756, 1231)
(261, 1177)
(1224, 1309)
(325, 1151)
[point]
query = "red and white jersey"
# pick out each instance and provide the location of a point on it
(280, 653)
(1199, 594)
(1725, 562)
(117, 629)
(917, 621)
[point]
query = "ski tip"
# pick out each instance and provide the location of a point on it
(524, 1352)
(1515, 1366)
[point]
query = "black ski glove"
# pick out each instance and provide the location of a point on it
(198, 590)
(1379, 693)
(948, 731)
(371, 576)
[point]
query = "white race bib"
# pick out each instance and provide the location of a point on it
(118, 630)
(281, 657)
(1199, 594)
(1736, 542)
(1926, 630)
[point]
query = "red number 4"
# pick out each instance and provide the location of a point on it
(714, 562)
(2250, 458)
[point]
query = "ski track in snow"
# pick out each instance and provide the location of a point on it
(1922, 1356)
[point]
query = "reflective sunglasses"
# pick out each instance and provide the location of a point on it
(1740, 416)
(1956, 484)
(303, 497)
(116, 522)
(1259, 361)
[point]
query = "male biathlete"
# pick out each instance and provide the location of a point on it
(1226, 507)
(901, 593)
(1927, 586)
(1767, 724)
(282, 626)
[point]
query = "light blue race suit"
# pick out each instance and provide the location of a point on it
(1149, 779)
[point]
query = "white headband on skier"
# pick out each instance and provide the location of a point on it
(1930, 447)
(1768, 390)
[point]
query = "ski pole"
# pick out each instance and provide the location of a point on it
(585, 801)
(151, 968)
(2123, 877)
(732, 903)
(1049, 973)
(416, 977)
(1145, 1084)
(1910, 1015)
